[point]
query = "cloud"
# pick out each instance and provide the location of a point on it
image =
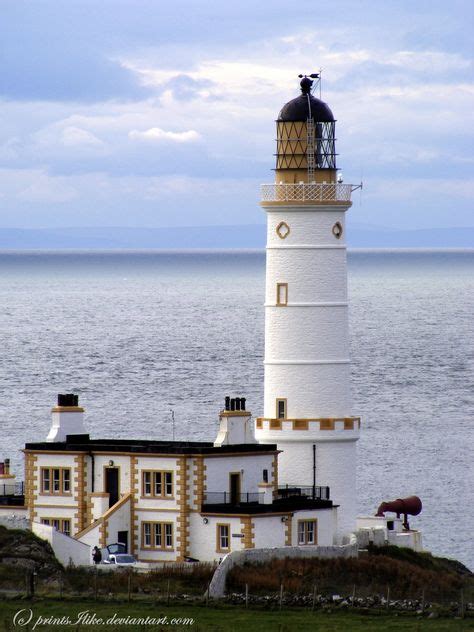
(75, 136)
(41, 187)
(157, 134)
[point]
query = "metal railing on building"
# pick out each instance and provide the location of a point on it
(227, 498)
(313, 492)
(305, 192)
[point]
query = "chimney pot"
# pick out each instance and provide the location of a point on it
(227, 403)
(68, 399)
(232, 404)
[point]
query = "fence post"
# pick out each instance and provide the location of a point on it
(462, 605)
(60, 585)
(130, 585)
(314, 598)
(246, 595)
(388, 596)
(95, 582)
(207, 594)
(281, 594)
(423, 600)
(168, 593)
(353, 595)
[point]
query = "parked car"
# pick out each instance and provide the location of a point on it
(121, 559)
(112, 549)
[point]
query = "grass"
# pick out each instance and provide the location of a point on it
(224, 618)
(407, 573)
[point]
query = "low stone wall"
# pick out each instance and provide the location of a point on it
(218, 583)
(14, 522)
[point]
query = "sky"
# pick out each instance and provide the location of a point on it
(153, 113)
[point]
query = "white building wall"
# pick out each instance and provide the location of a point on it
(269, 531)
(203, 537)
(311, 390)
(326, 524)
(101, 461)
(251, 468)
(160, 463)
(56, 461)
(157, 555)
(307, 352)
(317, 273)
(308, 225)
(65, 549)
(335, 467)
(119, 521)
(56, 505)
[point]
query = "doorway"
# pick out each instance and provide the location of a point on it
(234, 484)
(111, 485)
(122, 537)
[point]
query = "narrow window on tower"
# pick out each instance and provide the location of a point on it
(281, 408)
(282, 293)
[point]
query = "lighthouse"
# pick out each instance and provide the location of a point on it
(308, 410)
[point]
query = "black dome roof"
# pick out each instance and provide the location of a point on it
(297, 110)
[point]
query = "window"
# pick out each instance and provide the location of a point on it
(168, 483)
(66, 481)
(60, 524)
(157, 535)
(146, 534)
(146, 483)
(282, 294)
(265, 476)
(45, 481)
(281, 408)
(157, 484)
(55, 480)
(168, 535)
(307, 532)
(223, 537)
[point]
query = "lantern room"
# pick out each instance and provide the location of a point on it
(306, 150)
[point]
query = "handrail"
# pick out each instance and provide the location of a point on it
(227, 498)
(304, 192)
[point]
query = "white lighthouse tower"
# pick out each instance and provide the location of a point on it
(307, 406)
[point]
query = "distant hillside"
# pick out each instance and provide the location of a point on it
(217, 237)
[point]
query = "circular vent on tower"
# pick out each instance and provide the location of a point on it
(283, 230)
(337, 230)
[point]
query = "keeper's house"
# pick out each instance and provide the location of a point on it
(169, 500)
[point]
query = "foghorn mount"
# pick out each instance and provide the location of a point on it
(306, 82)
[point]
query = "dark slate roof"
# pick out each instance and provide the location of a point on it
(83, 443)
(298, 110)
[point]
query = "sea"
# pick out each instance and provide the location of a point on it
(152, 341)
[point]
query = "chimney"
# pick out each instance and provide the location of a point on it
(67, 418)
(235, 424)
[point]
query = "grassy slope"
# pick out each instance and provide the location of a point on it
(408, 574)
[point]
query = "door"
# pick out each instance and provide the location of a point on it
(234, 483)
(122, 537)
(112, 484)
